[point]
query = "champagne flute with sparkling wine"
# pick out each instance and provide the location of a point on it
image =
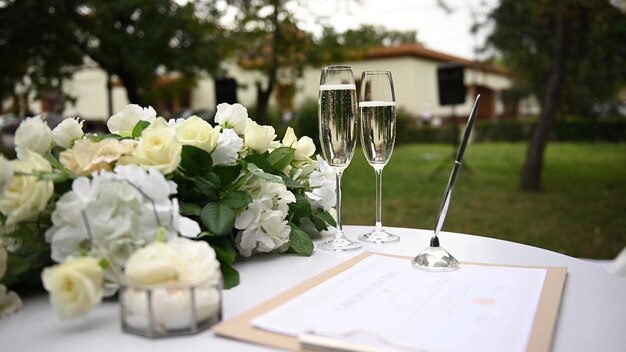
(378, 135)
(338, 128)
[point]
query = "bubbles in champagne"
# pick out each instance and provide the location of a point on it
(378, 130)
(337, 108)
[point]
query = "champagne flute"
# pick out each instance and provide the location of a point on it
(378, 134)
(338, 128)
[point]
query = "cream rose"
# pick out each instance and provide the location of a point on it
(67, 132)
(124, 122)
(232, 116)
(304, 146)
(75, 286)
(259, 138)
(6, 174)
(34, 134)
(198, 133)
(87, 156)
(158, 148)
(26, 196)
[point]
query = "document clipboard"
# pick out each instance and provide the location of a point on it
(240, 327)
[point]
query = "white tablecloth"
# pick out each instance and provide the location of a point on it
(592, 315)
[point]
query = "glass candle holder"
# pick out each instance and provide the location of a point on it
(170, 309)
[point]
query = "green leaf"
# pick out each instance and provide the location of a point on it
(189, 209)
(320, 224)
(54, 162)
(290, 183)
(195, 161)
(213, 178)
(225, 250)
(218, 218)
(300, 242)
(256, 171)
(324, 215)
(55, 177)
(261, 162)
(139, 127)
(301, 208)
(100, 137)
(281, 157)
(206, 187)
(227, 173)
(230, 275)
(236, 199)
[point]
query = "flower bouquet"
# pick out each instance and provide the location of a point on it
(153, 202)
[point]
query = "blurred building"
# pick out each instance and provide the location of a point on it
(414, 70)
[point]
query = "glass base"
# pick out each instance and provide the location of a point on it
(379, 236)
(435, 259)
(339, 244)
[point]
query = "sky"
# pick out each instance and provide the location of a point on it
(436, 29)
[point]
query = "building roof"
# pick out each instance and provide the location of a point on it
(421, 52)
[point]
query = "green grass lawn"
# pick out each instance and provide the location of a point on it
(581, 211)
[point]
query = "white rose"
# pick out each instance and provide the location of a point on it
(124, 122)
(259, 138)
(6, 174)
(67, 132)
(304, 147)
(26, 196)
(158, 147)
(228, 147)
(34, 134)
(171, 309)
(157, 263)
(200, 261)
(232, 116)
(10, 302)
(179, 261)
(75, 286)
(198, 133)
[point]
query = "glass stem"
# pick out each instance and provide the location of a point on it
(339, 234)
(379, 201)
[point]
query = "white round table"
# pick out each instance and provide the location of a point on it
(592, 315)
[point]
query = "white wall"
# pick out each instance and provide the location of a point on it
(415, 82)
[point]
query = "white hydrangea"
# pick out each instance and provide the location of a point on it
(229, 144)
(322, 181)
(263, 223)
(121, 210)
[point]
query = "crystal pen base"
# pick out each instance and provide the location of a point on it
(435, 259)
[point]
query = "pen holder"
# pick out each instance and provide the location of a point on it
(170, 309)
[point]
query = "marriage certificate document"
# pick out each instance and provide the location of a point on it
(383, 301)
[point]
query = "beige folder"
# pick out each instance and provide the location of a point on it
(240, 328)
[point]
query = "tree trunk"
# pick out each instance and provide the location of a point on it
(531, 173)
(262, 101)
(263, 95)
(132, 87)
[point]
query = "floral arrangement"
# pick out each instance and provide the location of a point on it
(153, 201)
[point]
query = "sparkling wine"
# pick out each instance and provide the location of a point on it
(378, 135)
(337, 108)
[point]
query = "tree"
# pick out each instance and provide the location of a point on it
(35, 54)
(136, 40)
(271, 41)
(565, 51)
